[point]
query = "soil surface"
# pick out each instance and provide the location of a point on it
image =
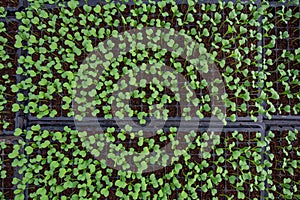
(9, 3)
(6, 114)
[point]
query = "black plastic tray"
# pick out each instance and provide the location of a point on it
(60, 122)
(8, 188)
(279, 130)
(16, 55)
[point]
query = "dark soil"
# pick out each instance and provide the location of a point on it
(6, 114)
(279, 174)
(56, 105)
(6, 183)
(9, 3)
(223, 188)
(289, 44)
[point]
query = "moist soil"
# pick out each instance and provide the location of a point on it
(6, 183)
(291, 43)
(57, 103)
(6, 114)
(223, 188)
(278, 174)
(9, 3)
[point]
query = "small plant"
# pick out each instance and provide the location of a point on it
(259, 75)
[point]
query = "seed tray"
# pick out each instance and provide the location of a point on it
(284, 155)
(13, 54)
(248, 133)
(6, 186)
(240, 116)
(130, 2)
(225, 187)
(287, 103)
